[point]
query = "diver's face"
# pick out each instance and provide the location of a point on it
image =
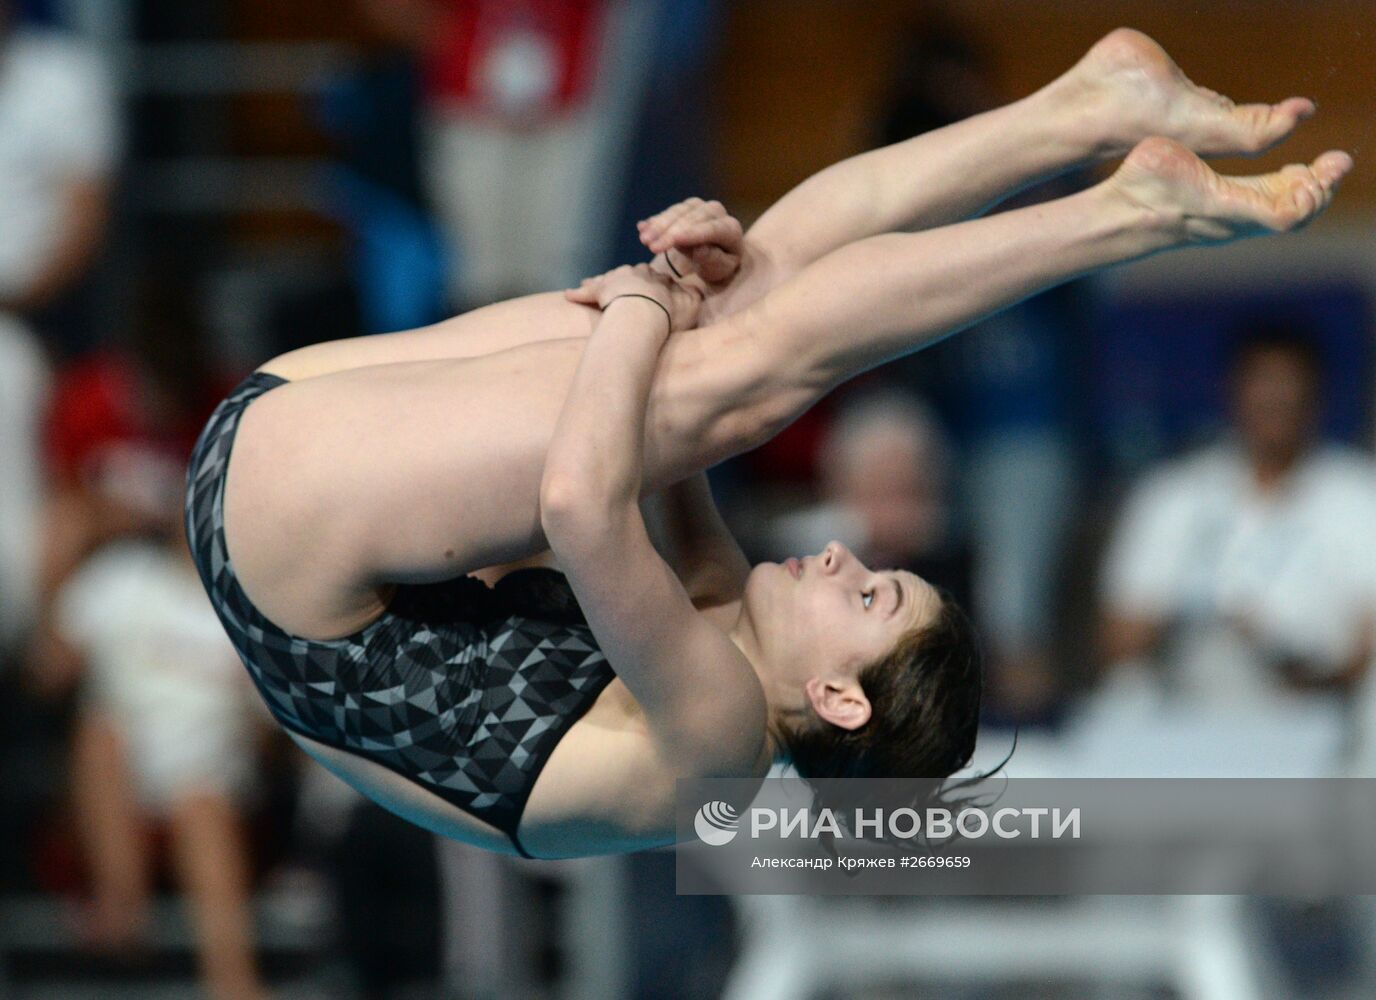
(829, 612)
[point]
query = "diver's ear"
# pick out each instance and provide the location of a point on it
(838, 701)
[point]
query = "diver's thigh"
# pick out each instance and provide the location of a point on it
(489, 330)
(421, 471)
(406, 472)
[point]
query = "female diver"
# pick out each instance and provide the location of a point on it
(377, 485)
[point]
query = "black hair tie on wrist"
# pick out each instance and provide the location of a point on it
(647, 298)
(670, 261)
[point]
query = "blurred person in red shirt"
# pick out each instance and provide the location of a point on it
(527, 120)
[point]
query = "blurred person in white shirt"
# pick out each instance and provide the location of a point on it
(1249, 567)
(59, 141)
(166, 732)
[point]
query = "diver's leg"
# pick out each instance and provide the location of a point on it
(427, 470)
(497, 327)
(1123, 90)
(419, 471)
(890, 295)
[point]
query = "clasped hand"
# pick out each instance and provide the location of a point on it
(706, 243)
(679, 302)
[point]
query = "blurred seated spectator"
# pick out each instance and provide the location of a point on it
(59, 139)
(164, 735)
(119, 427)
(161, 739)
(1248, 569)
(885, 492)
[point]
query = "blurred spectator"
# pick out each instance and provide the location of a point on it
(119, 429)
(23, 387)
(1249, 567)
(885, 484)
(375, 188)
(1004, 388)
(58, 145)
(58, 141)
(529, 107)
(164, 734)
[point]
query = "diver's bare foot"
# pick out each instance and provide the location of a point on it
(1127, 88)
(1182, 194)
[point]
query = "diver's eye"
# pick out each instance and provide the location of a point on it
(868, 598)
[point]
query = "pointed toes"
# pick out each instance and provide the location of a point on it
(1332, 167)
(1255, 128)
(1297, 108)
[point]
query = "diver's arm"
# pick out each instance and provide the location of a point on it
(666, 653)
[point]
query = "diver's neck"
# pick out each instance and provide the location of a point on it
(781, 693)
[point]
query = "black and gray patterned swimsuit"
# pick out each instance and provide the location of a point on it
(463, 689)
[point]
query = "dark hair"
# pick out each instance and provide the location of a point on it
(1275, 336)
(924, 699)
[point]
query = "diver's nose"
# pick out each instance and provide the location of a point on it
(833, 556)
